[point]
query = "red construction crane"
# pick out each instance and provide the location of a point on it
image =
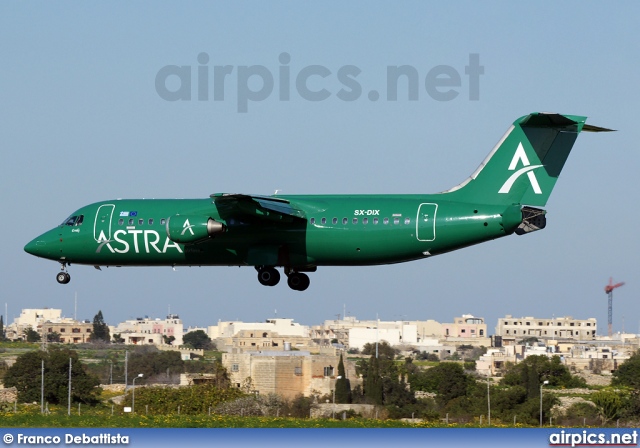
(609, 290)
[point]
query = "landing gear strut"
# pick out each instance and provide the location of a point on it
(63, 277)
(268, 276)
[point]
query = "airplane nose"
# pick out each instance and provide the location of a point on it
(35, 247)
(43, 246)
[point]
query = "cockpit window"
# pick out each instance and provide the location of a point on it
(74, 220)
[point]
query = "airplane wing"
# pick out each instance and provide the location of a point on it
(260, 207)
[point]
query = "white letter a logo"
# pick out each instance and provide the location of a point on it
(187, 226)
(521, 155)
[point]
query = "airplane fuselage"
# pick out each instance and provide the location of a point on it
(338, 231)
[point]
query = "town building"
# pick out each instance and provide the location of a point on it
(466, 330)
(146, 331)
(31, 318)
(68, 331)
(404, 335)
(353, 333)
(510, 328)
(275, 334)
(286, 373)
(49, 321)
(495, 361)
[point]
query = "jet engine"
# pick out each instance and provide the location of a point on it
(187, 229)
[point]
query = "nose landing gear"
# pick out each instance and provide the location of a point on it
(63, 277)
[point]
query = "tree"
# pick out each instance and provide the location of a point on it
(53, 337)
(372, 383)
(452, 382)
(32, 335)
(155, 365)
(448, 377)
(198, 339)
(628, 374)
(531, 372)
(424, 356)
(384, 350)
(100, 329)
(168, 339)
(384, 382)
(609, 405)
(117, 339)
(343, 385)
(1, 328)
(26, 376)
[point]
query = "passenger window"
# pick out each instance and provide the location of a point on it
(140, 221)
(131, 221)
(385, 221)
(375, 220)
(365, 220)
(407, 221)
(313, 220)
(120, 221)
(335, 220)
(150, 221)
(163, 221)
(345, 221)
(355, 220)
(396, 221)
(324, 220)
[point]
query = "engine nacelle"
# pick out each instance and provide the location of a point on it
(187, 229)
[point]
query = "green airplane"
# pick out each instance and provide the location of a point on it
(300, 233)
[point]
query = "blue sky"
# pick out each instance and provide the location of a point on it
(82, 121)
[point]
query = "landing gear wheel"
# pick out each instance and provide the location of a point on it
(63, 278)
(298, 281)
(268, 276)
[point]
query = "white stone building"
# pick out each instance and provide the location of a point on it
(511, 328)
(145, 331)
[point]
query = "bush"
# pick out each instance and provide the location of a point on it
(191, 399)
(579, 414)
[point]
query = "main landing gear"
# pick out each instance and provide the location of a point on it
(63, 277)
(298, 281)
(269, 276)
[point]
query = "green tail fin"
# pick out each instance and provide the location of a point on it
(525, 164)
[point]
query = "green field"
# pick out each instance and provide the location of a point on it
(104, 419)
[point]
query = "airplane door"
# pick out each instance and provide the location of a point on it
(102, 225)
(426, 222)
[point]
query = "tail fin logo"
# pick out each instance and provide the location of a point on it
(521, 156)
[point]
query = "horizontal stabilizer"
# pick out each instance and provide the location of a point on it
(592, 128)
